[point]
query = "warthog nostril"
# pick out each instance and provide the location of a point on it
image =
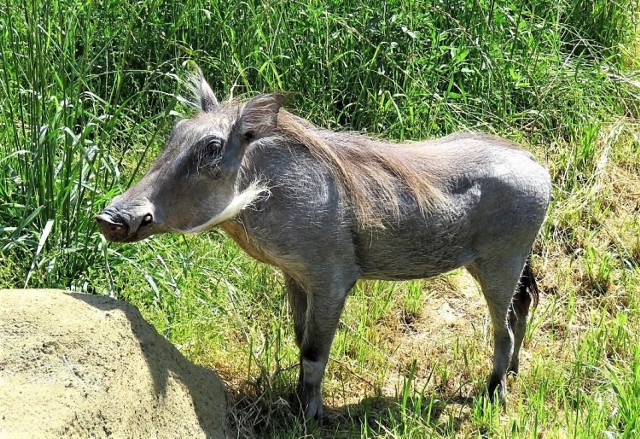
(117, 229)
(112, 228)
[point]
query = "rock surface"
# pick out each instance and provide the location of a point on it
(77, 365)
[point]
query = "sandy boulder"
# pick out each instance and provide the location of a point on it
(77, 365)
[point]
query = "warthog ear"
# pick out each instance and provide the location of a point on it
(259, 116)
(208, 101)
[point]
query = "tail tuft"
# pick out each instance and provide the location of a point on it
(527, 286)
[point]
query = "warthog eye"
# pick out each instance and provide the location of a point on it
(208, 152)
(215, 144)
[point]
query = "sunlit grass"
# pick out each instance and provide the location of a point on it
(89, 92)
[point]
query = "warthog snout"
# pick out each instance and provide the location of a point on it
(127, 225)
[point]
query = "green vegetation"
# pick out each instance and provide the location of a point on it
(88, 91)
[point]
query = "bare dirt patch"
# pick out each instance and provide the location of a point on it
(449, 322)
(76, 365)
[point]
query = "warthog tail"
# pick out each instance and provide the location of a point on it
(527, 286)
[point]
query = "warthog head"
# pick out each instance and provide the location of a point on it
(193, 184)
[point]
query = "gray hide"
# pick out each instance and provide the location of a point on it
(330, 208)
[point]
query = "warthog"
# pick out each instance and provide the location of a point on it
(330, 208)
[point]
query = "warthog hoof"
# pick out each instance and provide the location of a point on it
(313, 411)
(498, 390)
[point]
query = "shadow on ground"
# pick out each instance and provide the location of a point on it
(275, 414)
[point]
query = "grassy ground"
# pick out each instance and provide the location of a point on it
(89, 90)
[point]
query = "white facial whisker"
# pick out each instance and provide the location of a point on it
(241, 201)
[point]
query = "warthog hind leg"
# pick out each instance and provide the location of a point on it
(526, 294)
(498, 279)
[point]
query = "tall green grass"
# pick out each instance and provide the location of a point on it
(67, 125)
(85, 87)
(84, 84)
(88, 91)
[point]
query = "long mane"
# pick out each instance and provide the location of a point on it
(373, 174)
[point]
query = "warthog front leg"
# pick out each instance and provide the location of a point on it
(316, 311)
(298, 303)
